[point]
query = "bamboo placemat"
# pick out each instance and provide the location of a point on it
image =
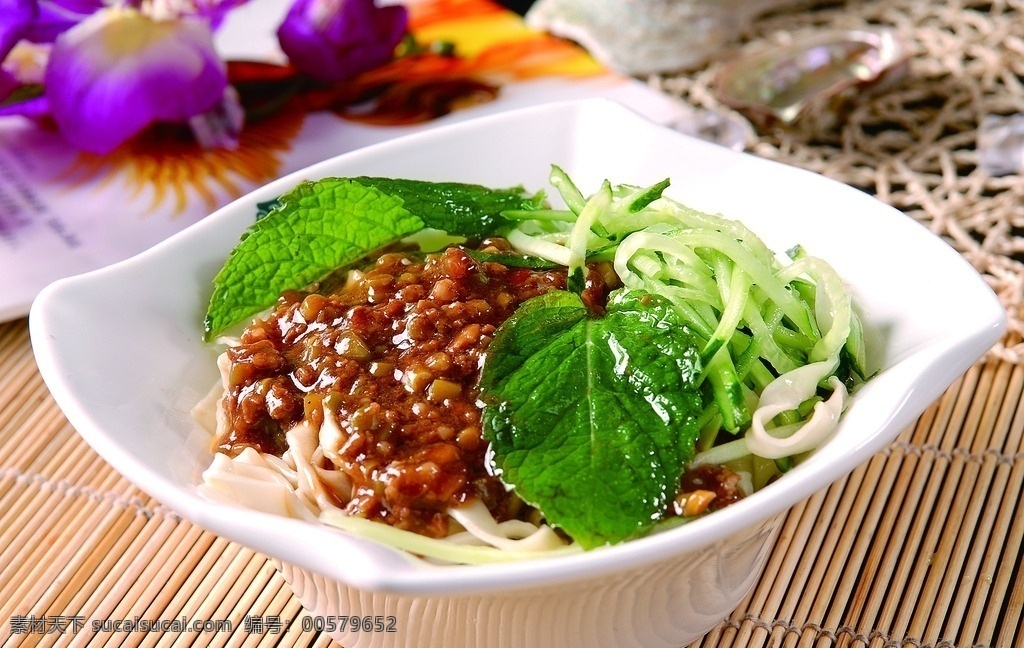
(921, 547)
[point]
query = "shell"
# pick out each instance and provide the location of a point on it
(782, 82)
(650, 36)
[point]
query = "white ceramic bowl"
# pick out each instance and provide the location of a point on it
(121, 350)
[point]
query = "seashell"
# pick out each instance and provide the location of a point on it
(650, 36)
(782, 82)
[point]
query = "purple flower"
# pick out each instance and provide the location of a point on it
(213, 11)
(17, 16)
(36, 21)
(8, 84)
(334, 40)
(57, 16)
(40, 21)
(119, 71)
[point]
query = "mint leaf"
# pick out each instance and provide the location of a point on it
(457, 208)
(318, 227)
(526, 333)
(591, 420)
(321, 226)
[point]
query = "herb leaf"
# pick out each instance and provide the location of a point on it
(321, 226)
(457, 208)
(591, 420)
(318, 227)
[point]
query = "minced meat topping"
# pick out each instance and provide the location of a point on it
(394, 354)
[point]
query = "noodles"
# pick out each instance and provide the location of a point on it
(297, 485)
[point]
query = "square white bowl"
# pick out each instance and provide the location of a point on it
(122, 351)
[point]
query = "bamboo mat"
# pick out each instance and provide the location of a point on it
(921, 547)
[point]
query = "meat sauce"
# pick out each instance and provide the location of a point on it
(394, 354)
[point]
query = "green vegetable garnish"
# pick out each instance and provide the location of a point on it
(456, 208)
(318, 227)
(321, 226)
(592, 419)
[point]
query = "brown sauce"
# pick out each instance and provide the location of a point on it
(722, 483)
(395, 354)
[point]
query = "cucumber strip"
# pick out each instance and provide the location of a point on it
(735, 303)
(728, 391)
(761, 375)
(731, 228)
(832, 305)
(580, 234)
(642, 198)
(710, 424)
(567, 189)
(787, 337)
(760, 274)
(723, 453)
(770, 351)
(691, 277)
(855, 347)
(534, 246)
(701, 327)
(606, 253)
(745, 359)
(764, 470)
(559, 215)
(658, 243)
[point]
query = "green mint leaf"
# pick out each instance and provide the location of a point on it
(592, 420)
(457, 208)
(526, 333)
(318, 227)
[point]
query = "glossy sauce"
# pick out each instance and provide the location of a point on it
(394, 354)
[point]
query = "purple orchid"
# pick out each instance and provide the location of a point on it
(334, 40)
(40, 21)
(119, 71)
(18, 16)
(8, 83)
(57, 16)
(213, 11)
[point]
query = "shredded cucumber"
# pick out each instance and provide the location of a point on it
(781, 341)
